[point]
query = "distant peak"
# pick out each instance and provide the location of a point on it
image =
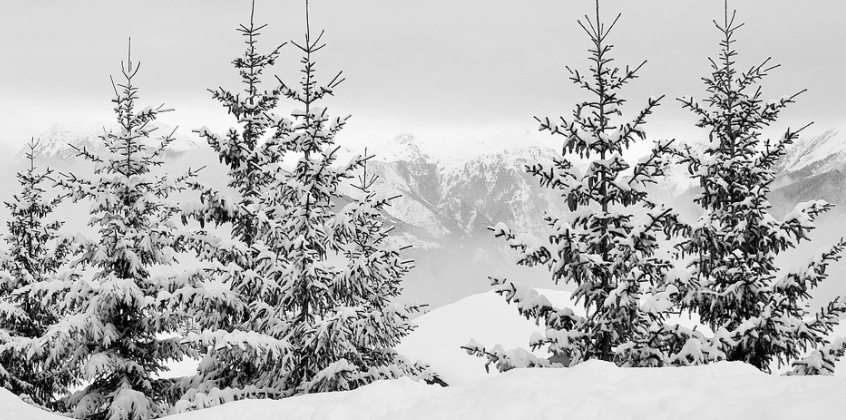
(59, 140)
(405, 138)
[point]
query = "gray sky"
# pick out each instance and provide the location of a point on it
(434, 68)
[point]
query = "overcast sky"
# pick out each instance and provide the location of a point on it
(429, 67)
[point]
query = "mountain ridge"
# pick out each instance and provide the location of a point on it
(58, 141)
(448, 200)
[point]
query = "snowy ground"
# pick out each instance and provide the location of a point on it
(594, 390)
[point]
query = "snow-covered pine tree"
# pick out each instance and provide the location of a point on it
(606, 245)
(732, 247)
(356, 326)
(242, 349)
(37, 252)
(336, 313)
(118, 316)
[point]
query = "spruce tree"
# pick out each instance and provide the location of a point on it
(336, 315)
(733, 284)
(119, 318)
(37, 253)
(242, 348)
(289, 354)
(606, 245)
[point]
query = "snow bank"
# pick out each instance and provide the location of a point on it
(593, 390)
(489, 320)
(484, 317)
(12, 408)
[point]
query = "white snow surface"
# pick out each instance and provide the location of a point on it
(486, 318)
(592, 390)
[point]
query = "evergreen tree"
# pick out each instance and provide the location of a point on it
(346, 326)
(308, 340)
(118, 317)
(37, 253)
(338, 317)
(733, 283)
(241, 350)
(606, 245)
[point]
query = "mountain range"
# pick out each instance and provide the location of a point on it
(452, 192)
(62, 141)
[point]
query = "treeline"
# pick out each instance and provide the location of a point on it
(297, 294)
(268, 313)
(611, 245)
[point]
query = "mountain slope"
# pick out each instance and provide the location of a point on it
(829, 186)
(461, 196)
(445, 206)
(812, 155)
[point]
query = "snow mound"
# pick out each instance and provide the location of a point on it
(486, 318)
(489, 320)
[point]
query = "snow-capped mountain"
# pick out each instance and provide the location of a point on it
(812, 169)
(444, 200)
(462, 193)
(450, 195)
(451, 191)
(813, 155)
(58, 141)
(494, 187)
(460, 198)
